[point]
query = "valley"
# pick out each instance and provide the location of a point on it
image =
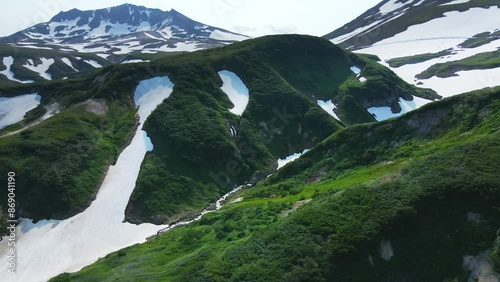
(148, 146)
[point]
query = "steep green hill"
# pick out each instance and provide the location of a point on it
(406, 199)
(195, 159)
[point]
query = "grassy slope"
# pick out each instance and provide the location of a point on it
(410, 180)
(480, 39)
(399, 62)
(196, 160)
(191, 135)
(61, 161)
(487, 60)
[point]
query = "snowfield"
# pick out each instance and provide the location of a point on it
(93, 63)
(50, 247)
(441, 34)
(289, 159)
(68, 63)
(8, 61)
(236, 90)
(328, 106)
(42, 68)
(383, 113)
(12, 110)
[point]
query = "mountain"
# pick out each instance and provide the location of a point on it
(294, 74)
(78, 41)
(359, 206)
(122, 30)
(223, 118)
(449, 46)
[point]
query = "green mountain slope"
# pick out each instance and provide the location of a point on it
(405, 199)
(195, 159)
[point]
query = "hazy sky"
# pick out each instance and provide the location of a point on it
(250, 17)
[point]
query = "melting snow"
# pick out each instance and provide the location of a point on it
(68, 62)
(8, 61)
(355, 70)
(455, 2)
(42, 68)
(236, 90)
(12, 110)
(135, 61)
(437, 34)
(52, 247)
(383, 113)
(93, 63)
(328, 106)
(289, 159)
(419, 3)
(441, 34)
(390, 6)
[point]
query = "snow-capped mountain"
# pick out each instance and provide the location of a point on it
(122, 30)
(451, 46)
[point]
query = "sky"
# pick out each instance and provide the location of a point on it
(250, 17)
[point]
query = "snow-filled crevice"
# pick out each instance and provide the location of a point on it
(236, 90)
(50, 247)
(329, 107)
(291, 158)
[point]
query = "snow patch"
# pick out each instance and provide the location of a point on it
(419, 3)
(383, 113)
(8, 61)
(236, 90)
(355, 70)
(68, 62)
(455, 2)
(437, 34)
(93, 63)
(328, 106)
(135, 61)
(12, 110)
(99, 230)
(289, 159)
(390, 6)
(42, 68)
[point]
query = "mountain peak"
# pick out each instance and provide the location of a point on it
(123, 29)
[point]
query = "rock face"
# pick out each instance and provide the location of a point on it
(121, 30)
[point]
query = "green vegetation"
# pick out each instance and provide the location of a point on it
(195, 159)
(487, 60)
(410, 181)
(60, 162)
(399, 62)
(480, 39)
